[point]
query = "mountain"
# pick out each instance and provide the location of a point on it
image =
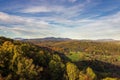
(18, 38)
(106, 40)
(47, 39)
(64, 39)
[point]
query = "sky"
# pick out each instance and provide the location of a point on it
(76, 19)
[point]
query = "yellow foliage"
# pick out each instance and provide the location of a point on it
(88, 75)
(72, 71)
(108, 78)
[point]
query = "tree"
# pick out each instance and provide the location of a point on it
(108, 78)
(56, 67)
(27, 70)
(87, 75)
(90, 73)
(72, 71)
(6, 53)
(82, 76)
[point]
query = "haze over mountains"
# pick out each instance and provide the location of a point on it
(63, 39)
(50, 39)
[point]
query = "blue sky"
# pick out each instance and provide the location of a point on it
(77, 19)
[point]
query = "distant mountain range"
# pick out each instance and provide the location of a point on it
(105, 40)
(44, 39)
(18, 39)
(61, 39)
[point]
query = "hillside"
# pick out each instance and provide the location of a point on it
(26, 61)
(106, 51)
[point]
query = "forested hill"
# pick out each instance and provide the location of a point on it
(25, 61)
(108, 47)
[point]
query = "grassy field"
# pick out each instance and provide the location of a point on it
(76, 56)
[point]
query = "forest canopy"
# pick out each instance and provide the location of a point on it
(26, 61)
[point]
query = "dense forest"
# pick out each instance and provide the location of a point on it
(59, 60)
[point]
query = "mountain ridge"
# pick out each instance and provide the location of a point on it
(64, 39)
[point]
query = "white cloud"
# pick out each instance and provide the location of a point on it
(10, 19)
(38, 9)
(18, 20)
(74, 20)
(104, 27)
(58, 11)
(25, 27)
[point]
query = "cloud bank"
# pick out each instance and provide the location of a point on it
(68, 18)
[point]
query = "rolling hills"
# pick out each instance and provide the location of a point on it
(63, 59)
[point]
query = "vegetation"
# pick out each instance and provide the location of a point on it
(26, 61)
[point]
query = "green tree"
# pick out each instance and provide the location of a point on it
(56, 68)
(27, 70)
